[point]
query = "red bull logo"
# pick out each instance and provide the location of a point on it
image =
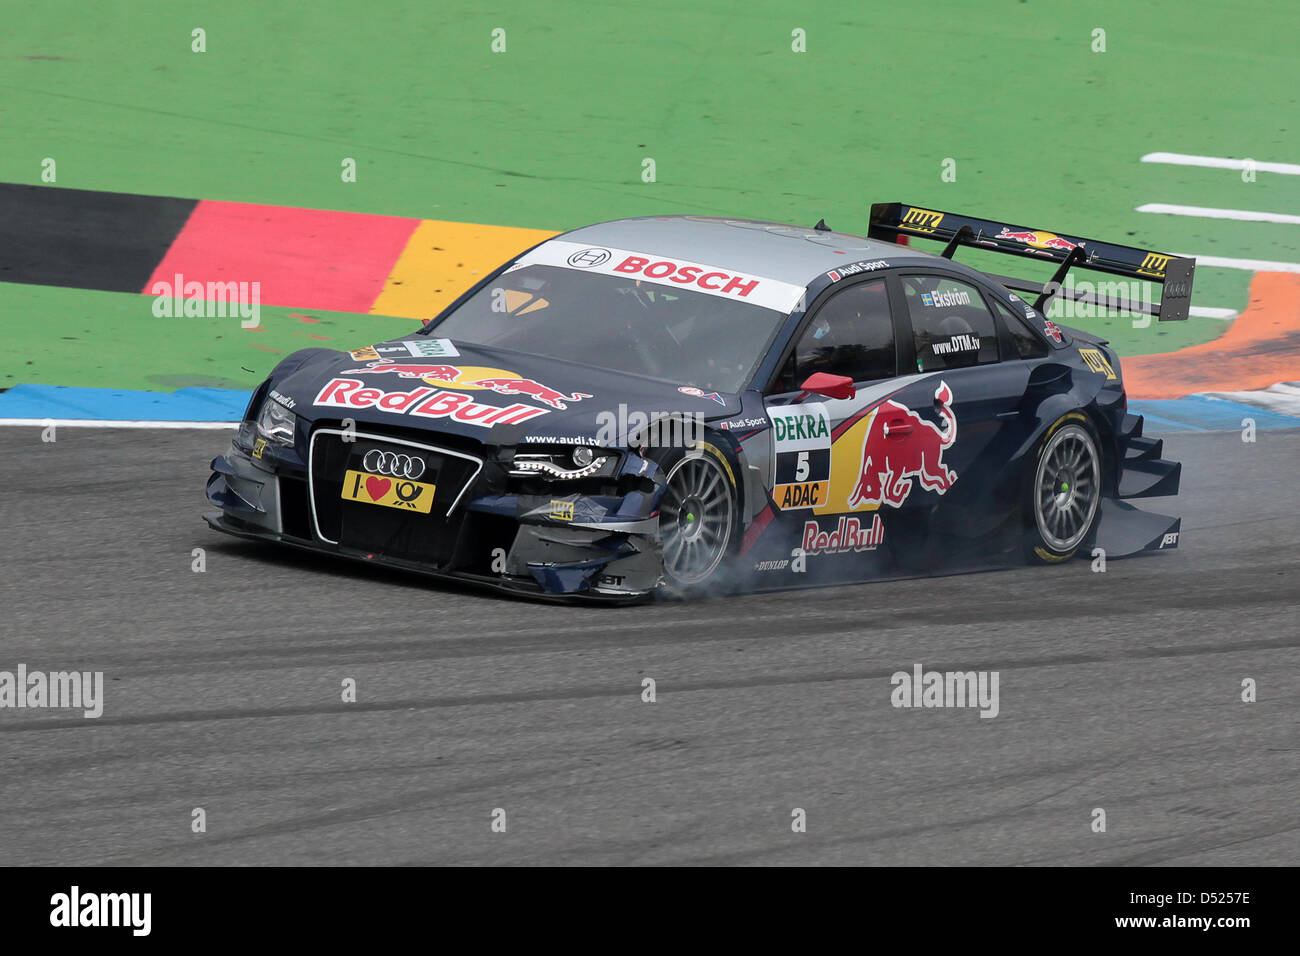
(1036, 239)
(901, 445)
(501, 381)
(534, 390)
(439, 373)
(849, 535)
(423, 402)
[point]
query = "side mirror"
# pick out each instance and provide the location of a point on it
(832, 386)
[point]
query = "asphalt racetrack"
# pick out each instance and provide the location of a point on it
(1119, 691)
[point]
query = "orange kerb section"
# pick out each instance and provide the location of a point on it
(1259, 349)
(443, 259)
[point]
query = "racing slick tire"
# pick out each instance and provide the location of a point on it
(1063, 490)
(699, 518)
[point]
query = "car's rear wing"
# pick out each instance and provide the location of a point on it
(892, 220)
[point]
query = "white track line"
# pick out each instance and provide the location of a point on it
(108, 423)
(1283, 398)
(1205, 312)
(1207, 212)
(1219, 162)
(1252, 265)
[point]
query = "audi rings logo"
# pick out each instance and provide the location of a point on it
(393, 463)
(589, 258)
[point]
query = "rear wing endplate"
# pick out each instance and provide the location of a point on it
(892, 220)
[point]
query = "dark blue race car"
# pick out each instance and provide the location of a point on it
(685, 405)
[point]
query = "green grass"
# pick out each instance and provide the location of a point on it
(553, 132)
(113, 340)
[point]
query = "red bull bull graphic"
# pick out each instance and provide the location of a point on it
(1037, 239)
(534, 390)
(901, 445)
(501, 381)
(441, 373)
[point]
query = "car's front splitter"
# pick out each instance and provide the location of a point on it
(515, 586)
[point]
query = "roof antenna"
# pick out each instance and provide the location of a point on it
(821, 226)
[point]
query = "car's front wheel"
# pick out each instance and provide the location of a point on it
(1064, 493)
(697, 517)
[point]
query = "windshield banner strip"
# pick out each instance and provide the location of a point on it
(660, 270)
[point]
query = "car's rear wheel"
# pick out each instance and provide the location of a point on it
(1065, 490)
(697, 517)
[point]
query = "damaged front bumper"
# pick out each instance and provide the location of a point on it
(602, 548)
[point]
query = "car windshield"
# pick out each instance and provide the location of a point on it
(624, 324)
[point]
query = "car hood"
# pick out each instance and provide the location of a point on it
(494, 395)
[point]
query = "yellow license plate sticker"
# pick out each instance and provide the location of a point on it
(389, 492)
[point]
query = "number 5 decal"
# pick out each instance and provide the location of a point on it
(801, 436)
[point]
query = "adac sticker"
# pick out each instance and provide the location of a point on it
(802, 437)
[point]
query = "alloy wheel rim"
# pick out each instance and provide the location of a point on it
(1067, 488)
(695, 519)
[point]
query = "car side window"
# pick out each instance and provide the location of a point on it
(1028, 344)
(851, 334)
(951, 325)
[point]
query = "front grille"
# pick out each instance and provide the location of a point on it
(413, 536)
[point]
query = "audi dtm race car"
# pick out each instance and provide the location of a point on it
(681, 405)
